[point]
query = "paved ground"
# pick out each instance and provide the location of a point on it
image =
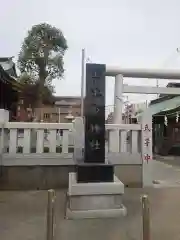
(166, 174)
(23, 215)
(172, 160)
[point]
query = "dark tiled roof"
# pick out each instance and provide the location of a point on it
(12, 72)
(172, 84)
(6, 78)
(5, 59)
(12, 69)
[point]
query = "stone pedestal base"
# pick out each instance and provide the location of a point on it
(94, 172)
(94, 200)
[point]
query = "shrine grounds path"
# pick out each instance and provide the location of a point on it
(23, 214)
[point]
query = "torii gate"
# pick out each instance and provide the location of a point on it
(121, 88)
(94, 177)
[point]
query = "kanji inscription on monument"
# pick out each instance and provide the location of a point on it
(93, 168)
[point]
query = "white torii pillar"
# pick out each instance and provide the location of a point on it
(146, 121)
(118, 99)
(114, 143)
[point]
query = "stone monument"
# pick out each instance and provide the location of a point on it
(94, 190)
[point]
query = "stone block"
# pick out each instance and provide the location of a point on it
(94, 172)
(94, 200)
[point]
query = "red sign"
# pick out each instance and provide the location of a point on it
(147, 158)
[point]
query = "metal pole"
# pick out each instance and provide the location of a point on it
(82, 81)
(145, 217)
(50, 214)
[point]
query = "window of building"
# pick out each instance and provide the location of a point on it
(46, 115)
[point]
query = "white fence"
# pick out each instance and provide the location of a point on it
(27, 138)
(36, 138)
(23, 143)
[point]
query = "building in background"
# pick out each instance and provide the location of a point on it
(132, 109)
(165, 111)
(9, 87)
(63, 109)
(69, 107)
(130, 112)
(109, 119)
(9, 66)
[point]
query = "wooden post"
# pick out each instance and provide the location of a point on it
(145, 217)
(50, 214)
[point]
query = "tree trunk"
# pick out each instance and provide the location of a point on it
(41, 62)
(39, 103)
(40, 93)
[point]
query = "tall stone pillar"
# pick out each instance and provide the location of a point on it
(94, 191)
(93, 167)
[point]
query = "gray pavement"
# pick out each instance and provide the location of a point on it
(166, 174)
(23, 214)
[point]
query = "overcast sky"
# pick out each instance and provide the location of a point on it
(128, 33)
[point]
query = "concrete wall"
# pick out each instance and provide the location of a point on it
(46, 177)
(130, 175)
(34, 177)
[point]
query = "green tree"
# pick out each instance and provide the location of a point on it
(41, 56)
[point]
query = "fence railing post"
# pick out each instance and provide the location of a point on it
(78, 138)
(145, 217)
(50, 214)
(4, 117)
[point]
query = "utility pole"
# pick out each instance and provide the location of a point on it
(82, 81)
